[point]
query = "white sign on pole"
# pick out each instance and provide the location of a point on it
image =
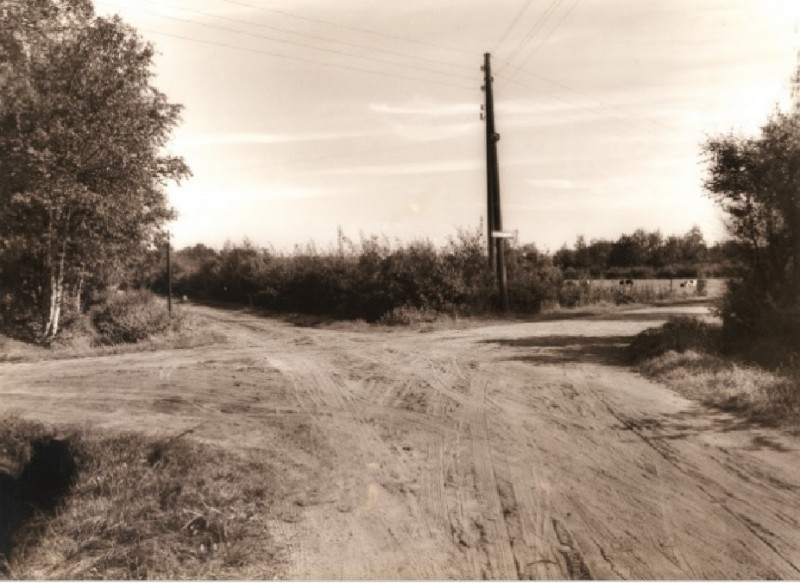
(502, 235)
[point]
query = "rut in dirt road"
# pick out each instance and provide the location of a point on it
(500, 452)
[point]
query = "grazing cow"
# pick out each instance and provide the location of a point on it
(688, 283)
(627, 282)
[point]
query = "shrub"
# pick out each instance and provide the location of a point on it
(409, 315)
(368, 279)
(679, 335)
(132, 316)
(77, 332)
(760, 329)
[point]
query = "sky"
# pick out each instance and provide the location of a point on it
(303, 117)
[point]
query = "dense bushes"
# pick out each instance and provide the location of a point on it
(371, 279)
(679, 334)
(128, 317)
(374, 279)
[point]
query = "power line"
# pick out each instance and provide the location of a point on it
(544, 40)
(321, 38)
(511, 24)
(346, 27)
(303, 59)
(538, 23)
(303, 45)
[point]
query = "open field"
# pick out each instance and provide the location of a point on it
(506, 450)
(714, 286)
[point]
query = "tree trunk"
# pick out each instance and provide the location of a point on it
(78, 293)
(56, 299)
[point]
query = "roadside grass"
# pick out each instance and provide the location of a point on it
(146, 508)
(686, 355)
(184, 331)
(764, 396)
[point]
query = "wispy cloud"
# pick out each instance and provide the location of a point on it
(408, 168)
(256, 138)
(426, 109)
(432, 132)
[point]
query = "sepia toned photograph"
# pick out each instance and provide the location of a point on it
(368, 290)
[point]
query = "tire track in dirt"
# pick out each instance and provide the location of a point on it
(452, 455)
(672, 466)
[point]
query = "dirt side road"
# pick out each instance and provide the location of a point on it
(509, 451)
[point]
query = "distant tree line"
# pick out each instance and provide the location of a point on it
(373, 278)
(644, 254)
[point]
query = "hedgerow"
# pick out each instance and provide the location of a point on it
(366, 280)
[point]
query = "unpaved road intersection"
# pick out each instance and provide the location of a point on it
(516, 450)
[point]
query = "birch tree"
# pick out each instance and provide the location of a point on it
(82, 164)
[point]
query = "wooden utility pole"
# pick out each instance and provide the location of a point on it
(169, 278)
(487, 107)
(497, 244)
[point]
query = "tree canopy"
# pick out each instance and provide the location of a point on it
(756, 181)
(82, 164)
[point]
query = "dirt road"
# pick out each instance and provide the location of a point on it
(523, 450)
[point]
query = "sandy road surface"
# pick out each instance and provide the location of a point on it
(510, 451)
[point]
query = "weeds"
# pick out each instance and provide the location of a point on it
(141, 508)
(689, 356)
(765, 396)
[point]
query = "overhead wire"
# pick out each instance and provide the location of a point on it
(535, 27)
(522, 9)
(302, 45)
(303, 59)
(316, 37)
(544, 40)
(347, 27)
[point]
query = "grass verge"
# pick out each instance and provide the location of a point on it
(761, 395)
(186, 331)
(685, 354)
(145, 508)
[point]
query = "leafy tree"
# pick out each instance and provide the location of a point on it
(756, 180)
(693, 246)
(82, 173)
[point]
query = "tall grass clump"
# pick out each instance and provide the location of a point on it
(146, 508)
(689, 356)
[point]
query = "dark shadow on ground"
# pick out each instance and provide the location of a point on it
(611, 350)
(660, 316)
(707, 418)
(728, 418)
